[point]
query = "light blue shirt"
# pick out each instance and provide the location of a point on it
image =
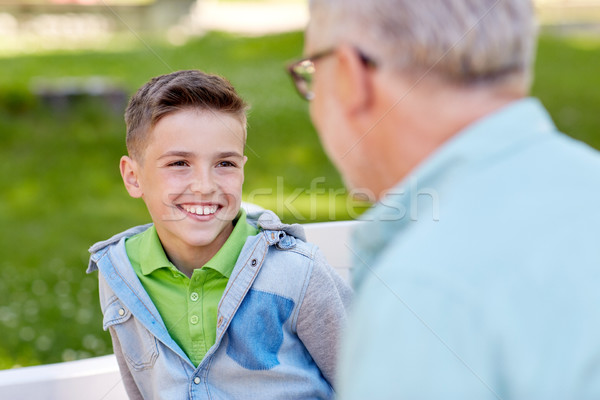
(478, 276)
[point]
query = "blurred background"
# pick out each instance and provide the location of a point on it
(67, 69)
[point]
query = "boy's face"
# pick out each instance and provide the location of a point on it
(190, 178)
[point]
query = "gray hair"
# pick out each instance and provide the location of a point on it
(462, 41)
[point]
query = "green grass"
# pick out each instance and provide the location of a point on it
(61, 189)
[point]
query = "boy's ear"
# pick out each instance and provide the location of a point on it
(129, 173)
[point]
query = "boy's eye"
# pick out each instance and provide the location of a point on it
(179, 163)
(226, 164)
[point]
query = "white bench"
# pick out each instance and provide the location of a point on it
(99, 379)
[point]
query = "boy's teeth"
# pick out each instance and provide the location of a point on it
(200, 210)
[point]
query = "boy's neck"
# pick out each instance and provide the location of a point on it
(187, 258)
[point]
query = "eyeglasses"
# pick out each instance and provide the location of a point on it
(302, 71)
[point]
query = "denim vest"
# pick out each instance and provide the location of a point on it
(257, 354)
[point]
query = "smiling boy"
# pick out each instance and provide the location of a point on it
(190, 178)
(208, 302)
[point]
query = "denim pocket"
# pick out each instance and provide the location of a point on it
(256, 330)
(138, 345)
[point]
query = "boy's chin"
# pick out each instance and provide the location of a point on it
(208, 240)
(207, 231)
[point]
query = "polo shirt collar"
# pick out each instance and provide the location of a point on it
(153, 255)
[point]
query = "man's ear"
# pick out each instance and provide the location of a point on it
(353, 85)
(129, 173)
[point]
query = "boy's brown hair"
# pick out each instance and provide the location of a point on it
(174, 92)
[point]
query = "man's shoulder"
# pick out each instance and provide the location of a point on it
(573, 155)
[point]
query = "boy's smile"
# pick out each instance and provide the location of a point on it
(191, 180)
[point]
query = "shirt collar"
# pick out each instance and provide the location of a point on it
(153, 255)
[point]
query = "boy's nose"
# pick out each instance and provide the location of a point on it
(203, 183)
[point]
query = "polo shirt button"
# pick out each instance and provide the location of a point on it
(194, 296)
(196, 380)
(194, 319)
(121, 311)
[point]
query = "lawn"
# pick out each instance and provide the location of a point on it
(61, 190)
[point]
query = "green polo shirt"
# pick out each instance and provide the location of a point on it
(188, 306)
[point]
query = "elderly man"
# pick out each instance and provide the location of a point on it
(478, 269)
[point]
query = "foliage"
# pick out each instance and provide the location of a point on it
(61, 189)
